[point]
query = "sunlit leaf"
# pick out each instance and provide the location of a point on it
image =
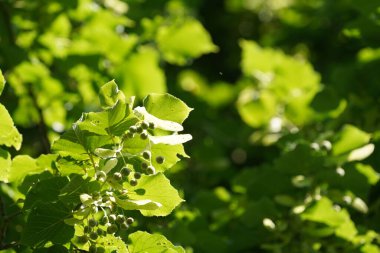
(171, 139)
(350, 138)
(5, 165)
(167, 107)
(9, 135)
(155, 188)
(145, 204)
(23, 165)
(133, 75)
(109, 94)
(159, 123)
(153, 243)
(177, 47)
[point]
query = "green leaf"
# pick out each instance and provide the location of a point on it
(171, 153)
(324, 212)
(350, 138)
(67, 166)
(177, 48)
(5, 165)
(142, 242)
(256, 112)
(2, 82)
(69, 145)
(46, 223)
(133, 73)
(70, 193)
(9, 135)
(167, 107)
(285, 81)
(109, 94)
(23, 165)
(113, 244)
(155, 188)
(45, 191)
(113, 121)
(145, 204)
(159, 123)
(369, 248)
(79, 144)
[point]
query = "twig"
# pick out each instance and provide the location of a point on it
(5, 13)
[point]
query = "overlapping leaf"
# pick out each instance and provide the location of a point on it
(156, 188)
(46, 223)
(142, 242)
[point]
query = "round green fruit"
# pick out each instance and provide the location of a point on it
(117, 176)
(146, 154)
(92, 222)
(104, 220)
(133, 182)
(93, 249)
(144, 165)
(83, 239)
(144, 125)
(137, 175)
(132, 129)
(100, 231)
(160, 159)
(150, 170)
(112, 229)
(130, 220)
(151, 125)
(120, 219)
(125, 171)
(112, 218)
(86, 229)
(144, 135)
(93, 235)
(124, 226)
(139, 129)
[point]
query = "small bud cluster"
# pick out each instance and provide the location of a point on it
(109, 223)
(142, 128)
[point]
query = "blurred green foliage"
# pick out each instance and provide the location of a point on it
(286, 122)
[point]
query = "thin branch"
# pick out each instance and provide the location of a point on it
(5, 13)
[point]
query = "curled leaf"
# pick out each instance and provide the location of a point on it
(159, 123)
(143, 204)
(171, 139)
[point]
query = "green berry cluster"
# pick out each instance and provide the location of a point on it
(112, 219)
(142, 128)
(109, 223)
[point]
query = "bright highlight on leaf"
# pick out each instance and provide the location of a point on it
(159, 123)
